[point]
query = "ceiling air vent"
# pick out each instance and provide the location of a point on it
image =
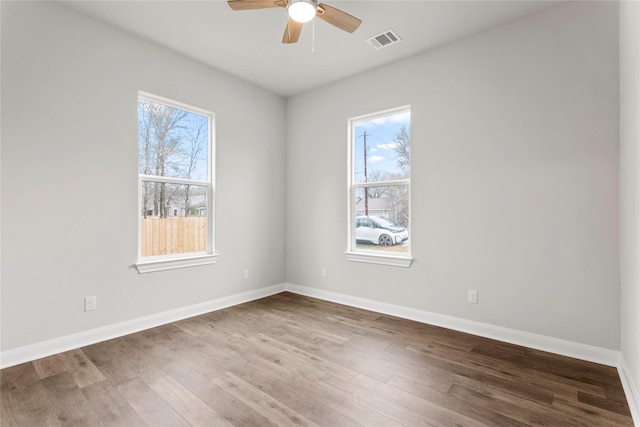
(384, 39)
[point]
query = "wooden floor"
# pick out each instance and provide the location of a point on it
(292, 360)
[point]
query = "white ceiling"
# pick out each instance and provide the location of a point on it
(247, 44)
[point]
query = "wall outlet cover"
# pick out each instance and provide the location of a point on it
(472, 296)
(90, 303)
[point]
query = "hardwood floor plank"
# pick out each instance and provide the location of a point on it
(355, 358)
(225, 350)
(596, 416)
(580, 371)
(384, 403)
(341, 402)
(111, 358)
(32, 406)
(148, 405)
(161, 353)
(135, 359)
(309, 359)
(285, 359)
(438, 406)
(490, 371)
(419, 384)
(49, 366)
(7, 414)
(616, 394)
(512, 409)
(289, 360)
(610, 405)
(112, 409)
(310, 408)
(67, 403)
(232, 409)
(83, 371)
(19, 376)
(311, 330)
(299, 401)
(552, 411)
(434, 335)
(476, 375)
(267, 406)
(188, 405)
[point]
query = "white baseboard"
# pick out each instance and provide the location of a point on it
(540, 342)
(567, 348)
(630, 390)
(70, 342)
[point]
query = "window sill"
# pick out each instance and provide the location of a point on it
(395, 261)
(173, 263)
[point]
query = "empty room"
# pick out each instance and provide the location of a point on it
(290, 212)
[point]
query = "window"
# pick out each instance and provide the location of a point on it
(175, 150)
(379, 188)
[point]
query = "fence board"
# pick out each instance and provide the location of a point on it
(172, 235)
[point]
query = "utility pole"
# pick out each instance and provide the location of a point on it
(366, 190)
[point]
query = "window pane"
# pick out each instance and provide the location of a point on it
(382, 218)
(173, 218)
(382, 148)
(172, 142)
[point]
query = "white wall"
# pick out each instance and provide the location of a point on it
(69, 176)
(514, 178)
(630, 195)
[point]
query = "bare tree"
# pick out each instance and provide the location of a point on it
(159, 145)
(377, 175)
(195, 150)
(145, 151)
(398, 195)
(402, 141)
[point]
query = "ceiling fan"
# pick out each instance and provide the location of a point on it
(301, 11)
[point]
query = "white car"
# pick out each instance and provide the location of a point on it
(380, 231)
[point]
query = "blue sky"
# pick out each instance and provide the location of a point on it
(380, 154)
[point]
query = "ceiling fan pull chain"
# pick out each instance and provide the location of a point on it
(313, 37)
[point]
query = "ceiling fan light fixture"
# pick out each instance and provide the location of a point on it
(302, 10)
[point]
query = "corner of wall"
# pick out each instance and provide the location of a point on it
(630, 390)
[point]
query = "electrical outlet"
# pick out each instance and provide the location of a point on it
(324, 272)
(90, 303)
(472, 296)
(245, 274)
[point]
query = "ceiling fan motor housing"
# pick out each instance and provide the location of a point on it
(302, 10)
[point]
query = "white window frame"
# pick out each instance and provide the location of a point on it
(190, 259)
(353, 254)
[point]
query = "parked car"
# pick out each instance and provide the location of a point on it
(380, 231)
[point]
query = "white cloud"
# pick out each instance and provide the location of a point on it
(376, 159)
(396, 118)
(389, 146)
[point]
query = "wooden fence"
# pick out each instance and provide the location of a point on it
(173, 235)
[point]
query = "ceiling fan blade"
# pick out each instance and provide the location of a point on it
(292, 32)
(336, 17)
(255, 4)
